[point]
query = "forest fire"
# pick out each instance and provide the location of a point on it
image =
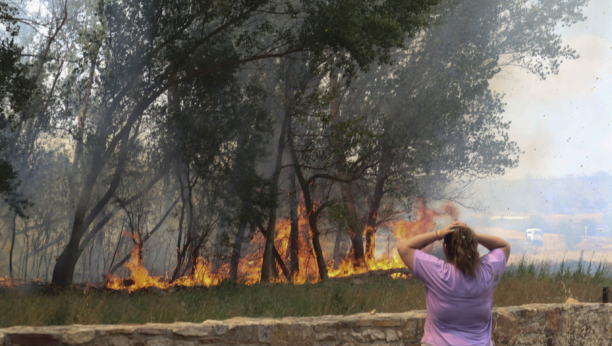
(249, 269)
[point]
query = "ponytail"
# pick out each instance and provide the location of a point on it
(462, 250)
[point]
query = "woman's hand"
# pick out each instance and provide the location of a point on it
(406, 248)
(450, 228)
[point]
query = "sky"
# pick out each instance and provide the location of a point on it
(564, 123)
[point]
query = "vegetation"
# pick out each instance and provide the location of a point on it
(523, 283)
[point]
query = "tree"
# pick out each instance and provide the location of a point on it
(16, 88)
(150, 47)
(430, 118)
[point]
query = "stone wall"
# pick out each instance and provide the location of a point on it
(536, 324)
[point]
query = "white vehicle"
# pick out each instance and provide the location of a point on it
(534, 236)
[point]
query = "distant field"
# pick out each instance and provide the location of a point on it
(555, 248)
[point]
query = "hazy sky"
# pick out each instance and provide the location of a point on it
(564, 123)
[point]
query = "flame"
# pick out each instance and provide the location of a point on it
(249, 268)
(7, 282)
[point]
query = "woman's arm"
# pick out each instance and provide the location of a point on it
(492, 242)
(406, 248)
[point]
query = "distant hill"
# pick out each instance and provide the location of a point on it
(573, 195)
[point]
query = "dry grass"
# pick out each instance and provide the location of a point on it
(523, 283)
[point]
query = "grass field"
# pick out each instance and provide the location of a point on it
(524, 282)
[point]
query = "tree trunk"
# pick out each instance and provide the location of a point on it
(271, 232)
(235, 260)
(179, 253)
(83, 113)
(12, 246)
(371, 222)
(294, 235)
(355, 226)
(277, 256)
(63, 270)
(312, 214)
(337, 256)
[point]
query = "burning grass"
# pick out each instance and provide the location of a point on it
(525, 282)
(204, 273)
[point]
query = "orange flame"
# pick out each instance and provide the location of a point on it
(249, 269)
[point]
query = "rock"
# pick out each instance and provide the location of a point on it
(117, 329)
(326, 336)
(119, 341)
(571, 301)
(221, 329)
(506, 328)
(193, 331)
(78, 336)
(152, 331)
(264, 333)
(168, 342)
(375, 334)
(33, 338)
(289, 334)
(392, 335)
(240, 333)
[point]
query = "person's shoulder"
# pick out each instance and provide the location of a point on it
(423, 256)
(497, 255)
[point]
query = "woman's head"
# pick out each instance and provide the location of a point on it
(461, 249)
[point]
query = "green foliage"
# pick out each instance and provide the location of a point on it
(16, 89)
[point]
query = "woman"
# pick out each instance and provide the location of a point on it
(459, 294)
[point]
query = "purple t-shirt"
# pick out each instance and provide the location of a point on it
(458, 306)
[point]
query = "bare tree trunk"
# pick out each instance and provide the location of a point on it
(271, 232)
(235, 260)
(337, 244)
(294, 235)
(277, 256)
(12, 246)
(179, 253)
(353, 222)
(313, 215)
(83, 113)
(371, 222)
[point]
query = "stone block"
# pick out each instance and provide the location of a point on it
(221, 329)
(117, 329)
(119, 341)
(506, 328)
(264, 333)
(34, 339)
(1, 339)
(392, 335)
(533, 328)
(326, 336)
(78, 336)
(193, 331)
(409, 330)
(552, 319)
(388, 322)
(291, 334)
(359, 337)
(240, 333)
(373, 334)
(152, 331)
(210, 340)
(168, 342)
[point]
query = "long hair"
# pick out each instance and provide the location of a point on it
(462, 250)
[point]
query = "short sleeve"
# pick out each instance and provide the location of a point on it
(427, 268)
(496, 261)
